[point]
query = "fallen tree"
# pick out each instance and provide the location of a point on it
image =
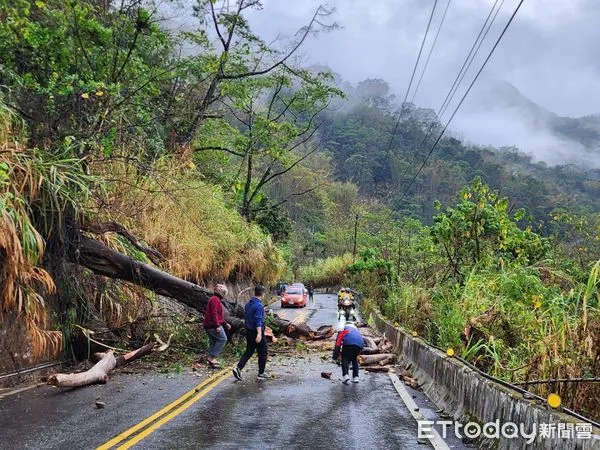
(105, 261)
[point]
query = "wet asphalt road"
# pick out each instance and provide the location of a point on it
(297, 408)
(52, 418)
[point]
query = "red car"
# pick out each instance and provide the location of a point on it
(294, 295)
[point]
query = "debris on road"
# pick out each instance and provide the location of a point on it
(409, 380)
(270, 335)
(326, 375)
(98, 374)
(163, 345)
(379, 368)
(368, 360)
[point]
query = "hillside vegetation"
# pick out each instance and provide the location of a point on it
(216, 157)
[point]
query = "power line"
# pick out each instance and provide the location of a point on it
(459, 78)
(431, 50)
(412, 77)
(457, 81)
(463, 98)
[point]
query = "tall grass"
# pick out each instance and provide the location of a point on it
(29, 180)
(514, 323)
(200, 235)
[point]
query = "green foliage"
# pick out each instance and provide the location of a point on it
(84, 70)
(479, 230)
(369, 262)
(269, 123)
(577, 236)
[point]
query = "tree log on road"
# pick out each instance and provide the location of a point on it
(378, 368)
(370, 347)
(294, 330)
(99, 372)
(323, 332)
(366, 360)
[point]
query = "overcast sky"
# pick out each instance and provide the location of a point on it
(550, 52)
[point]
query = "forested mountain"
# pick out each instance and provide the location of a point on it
(358, 139)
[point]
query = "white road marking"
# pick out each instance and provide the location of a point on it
(436, 441)
(23, 389)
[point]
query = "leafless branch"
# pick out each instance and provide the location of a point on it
(232, 112)
(294, 164)
(288, 105)
(274, 97)
(216, 23)
(305, 31)
(295, 194)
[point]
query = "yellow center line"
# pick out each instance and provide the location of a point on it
(138, 437)
(301, 316)
(124, 435)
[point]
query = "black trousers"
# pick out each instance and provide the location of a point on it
(251, 347)
(350, 355)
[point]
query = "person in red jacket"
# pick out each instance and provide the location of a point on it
(349, 343)
(214, 324)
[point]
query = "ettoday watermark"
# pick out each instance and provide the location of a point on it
(508, 430)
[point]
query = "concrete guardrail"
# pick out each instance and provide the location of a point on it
(469, 396)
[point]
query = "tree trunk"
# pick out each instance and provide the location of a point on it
(135, 354)
(97, 374)
(373, 359)
(103, 260)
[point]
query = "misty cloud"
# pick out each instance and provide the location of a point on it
(549, 54)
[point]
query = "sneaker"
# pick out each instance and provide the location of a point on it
(262, 376)
(355, 380)
(237, 373)
(346, 379)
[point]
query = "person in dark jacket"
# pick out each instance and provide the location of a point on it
(214, 324)
(311, 293)
(351, 343)
(254, 320)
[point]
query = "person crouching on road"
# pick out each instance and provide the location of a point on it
(214, 321)
(351, 343)
(254, 317)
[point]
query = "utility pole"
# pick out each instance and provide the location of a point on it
(399, 252)
(355, 235)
